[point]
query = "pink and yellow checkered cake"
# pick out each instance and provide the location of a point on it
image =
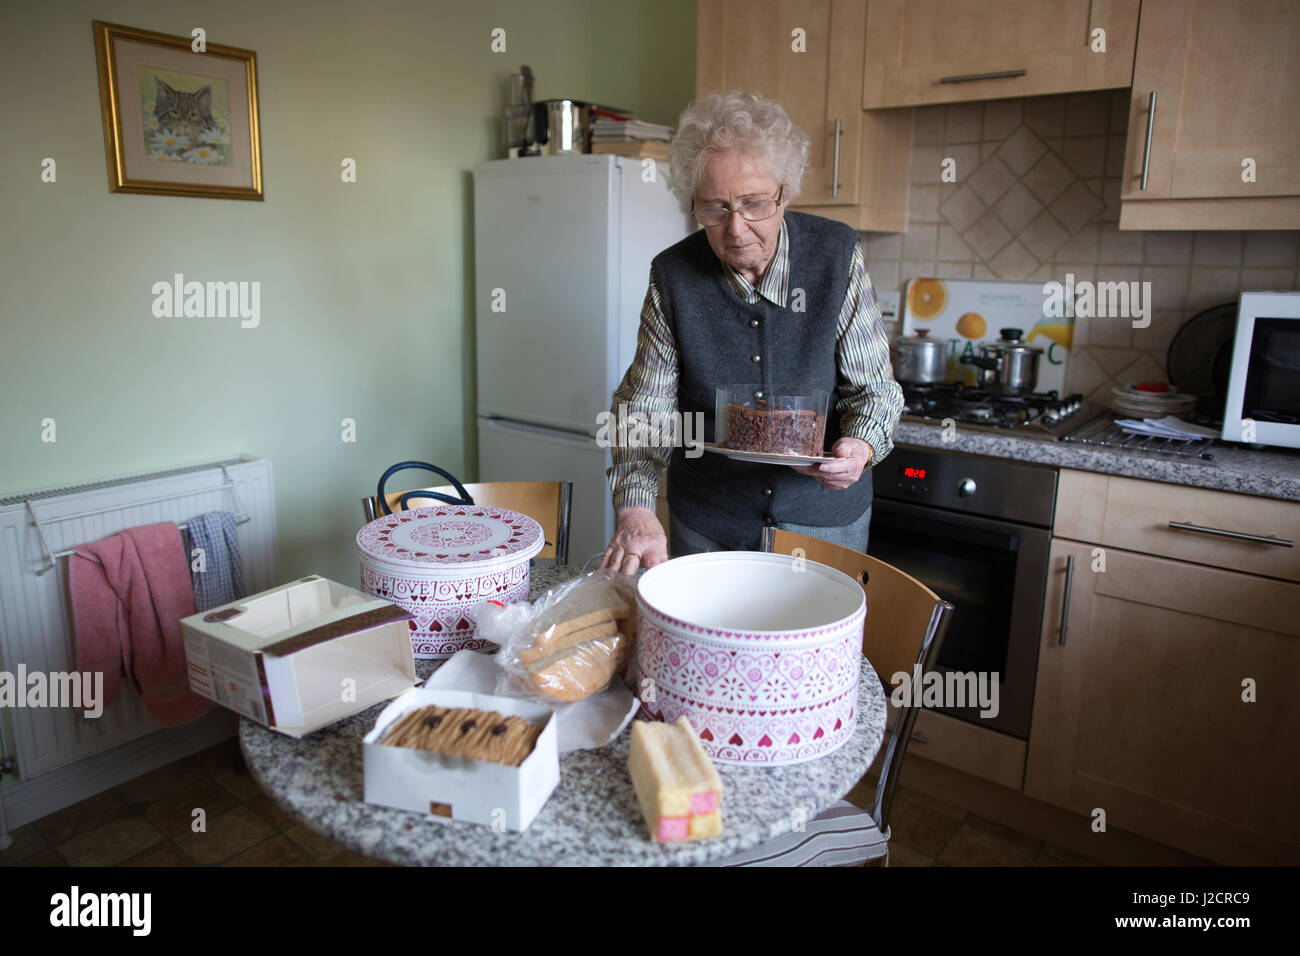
(677, 785)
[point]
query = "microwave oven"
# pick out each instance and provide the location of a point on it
(1263, 406)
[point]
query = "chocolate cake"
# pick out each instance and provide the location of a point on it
(781, 431)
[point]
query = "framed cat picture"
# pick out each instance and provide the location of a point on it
(180, 114)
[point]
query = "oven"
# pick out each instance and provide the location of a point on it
(976, 531)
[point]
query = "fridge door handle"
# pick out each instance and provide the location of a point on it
(537, 431)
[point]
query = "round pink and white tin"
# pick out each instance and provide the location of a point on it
(760, 652)
(439, 562)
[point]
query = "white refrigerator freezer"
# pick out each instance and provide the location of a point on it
(562, 248)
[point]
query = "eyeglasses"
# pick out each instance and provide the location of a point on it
(754, 210)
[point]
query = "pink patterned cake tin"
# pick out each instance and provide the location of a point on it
(439, 562)
(759, 651)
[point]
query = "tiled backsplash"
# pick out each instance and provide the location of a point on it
(1036, 197)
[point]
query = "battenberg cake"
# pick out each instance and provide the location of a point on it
(675, 781)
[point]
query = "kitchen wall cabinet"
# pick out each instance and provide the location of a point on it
(808, 55)
(1226, 79)
(1138, 707)
(935, 51)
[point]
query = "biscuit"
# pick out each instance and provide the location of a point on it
(465, 732)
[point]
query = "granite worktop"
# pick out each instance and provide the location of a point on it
(592, 818)
(1274, 473)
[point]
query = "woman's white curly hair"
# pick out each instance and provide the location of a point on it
(736, 120)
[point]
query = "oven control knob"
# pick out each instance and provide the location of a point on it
(966, 488)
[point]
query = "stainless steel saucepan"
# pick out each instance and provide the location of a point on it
(920, 360)
(1008, 366)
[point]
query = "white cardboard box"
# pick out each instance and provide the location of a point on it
(300, 656)
(458, 788)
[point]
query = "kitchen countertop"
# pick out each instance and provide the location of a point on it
(592, 818)
(1273, 473)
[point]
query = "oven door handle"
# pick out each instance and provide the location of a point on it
(1065, 600)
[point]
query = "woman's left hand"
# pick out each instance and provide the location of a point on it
(854, 455)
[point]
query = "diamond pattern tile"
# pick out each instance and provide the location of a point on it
(992, 180)
(1077, 207)
(1018, 208)
(1015, 260)
(1021, 150)
(987, 236)
(963, 208)
(1049, 177)
(1038, 196)
(1044, 236)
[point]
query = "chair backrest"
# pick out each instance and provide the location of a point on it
(904, 629)
(549, 503)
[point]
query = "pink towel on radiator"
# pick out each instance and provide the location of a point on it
(128, 594)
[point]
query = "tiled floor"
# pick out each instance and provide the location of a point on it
(148, 822)
(926, 831)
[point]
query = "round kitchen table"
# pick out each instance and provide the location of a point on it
(591, 819)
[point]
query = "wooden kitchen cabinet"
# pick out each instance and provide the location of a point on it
(969, 748)
(1239, 532)
(1138, 706)
(921, 52)
(1226, 74)
(750, 45)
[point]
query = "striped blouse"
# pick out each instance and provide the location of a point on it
(869, 403)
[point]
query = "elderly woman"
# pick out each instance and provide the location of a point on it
(759, 294)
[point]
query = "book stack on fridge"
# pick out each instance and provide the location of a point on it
(622, 134)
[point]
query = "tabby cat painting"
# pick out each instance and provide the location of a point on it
(186, 117)
(180, 114)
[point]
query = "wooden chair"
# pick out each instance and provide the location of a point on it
(549, 503)
(905, 627)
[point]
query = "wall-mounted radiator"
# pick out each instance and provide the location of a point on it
(38, 528)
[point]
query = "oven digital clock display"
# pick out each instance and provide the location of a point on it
(910, 472)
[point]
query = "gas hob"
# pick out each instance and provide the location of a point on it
(1043, 413)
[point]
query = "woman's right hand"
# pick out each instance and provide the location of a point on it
(639, 541)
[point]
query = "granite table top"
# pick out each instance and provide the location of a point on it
(1273, 473)
(591, 819)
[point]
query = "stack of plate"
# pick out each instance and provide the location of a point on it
(1151, 400)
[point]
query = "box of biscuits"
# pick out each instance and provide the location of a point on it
(300, 656)
(460, 755)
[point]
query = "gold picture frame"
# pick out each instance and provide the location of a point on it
(178, 122)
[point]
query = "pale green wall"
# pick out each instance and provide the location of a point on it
(367, 306)
(643, 56)
(366, 288)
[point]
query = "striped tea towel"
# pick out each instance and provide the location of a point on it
(221, 579)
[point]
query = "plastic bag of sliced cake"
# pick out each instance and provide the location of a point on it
(568, 644)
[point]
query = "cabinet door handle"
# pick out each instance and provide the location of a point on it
(970, 77)
(835, 171)
(1065, 599)
(1239, 535)
(1151, 125)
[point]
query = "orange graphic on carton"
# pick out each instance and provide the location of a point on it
(926, 298)
(972, 325)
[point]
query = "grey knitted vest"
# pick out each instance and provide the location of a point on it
(730, 501)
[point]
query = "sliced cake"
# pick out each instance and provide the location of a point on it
(675, 781)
